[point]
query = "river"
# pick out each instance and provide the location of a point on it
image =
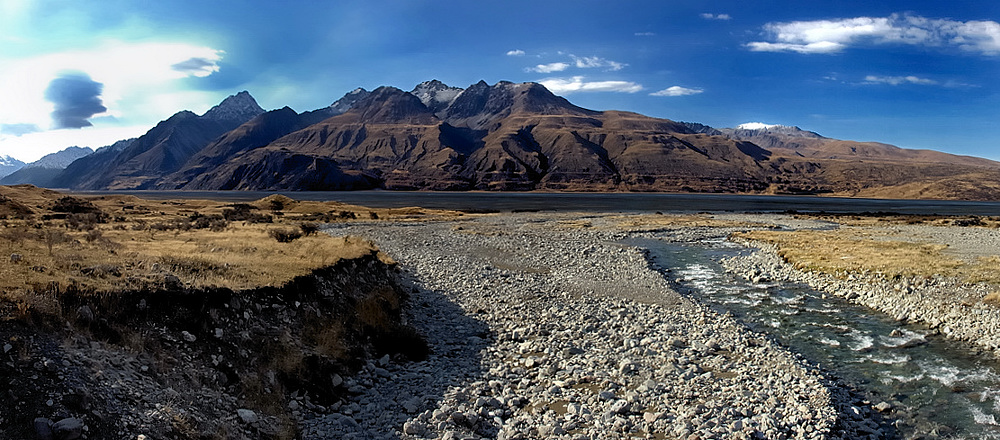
(938, 387)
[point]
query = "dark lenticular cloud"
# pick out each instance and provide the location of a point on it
(77, 98)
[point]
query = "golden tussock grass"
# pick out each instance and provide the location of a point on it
(123, 243)
(651, 222)
(893, 219)
(850, 251)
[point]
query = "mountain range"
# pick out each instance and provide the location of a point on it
(43, 171)
(510, 137)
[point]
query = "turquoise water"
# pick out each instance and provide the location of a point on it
(939, 388)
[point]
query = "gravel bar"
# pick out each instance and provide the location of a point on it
(542, 329)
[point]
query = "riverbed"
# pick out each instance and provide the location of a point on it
(932, 385)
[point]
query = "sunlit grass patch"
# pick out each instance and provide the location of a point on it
(652, 222)
(846, 250)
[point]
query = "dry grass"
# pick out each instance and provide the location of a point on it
(128, 243)
(881, 219)
(653, 222)
(847, 250)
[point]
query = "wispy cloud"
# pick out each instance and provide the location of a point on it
(18, 129)
(897, 80)
(515, 53)
(592, 62)
(579, 63)
(549, 68)
(709, 16)
(645, 34)
(676, 91)
(831, 36)
(578, 84)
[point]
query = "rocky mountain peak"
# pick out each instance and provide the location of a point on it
(345, 103)
(61, 159)
(388, 105)
(760, 128)
(480, 104)
(435, 94)
(9, 161)
(235, 109)
(9, 165)
(696, 127)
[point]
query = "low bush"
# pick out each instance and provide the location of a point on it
(242, 212)
(284, 235)
(309, 228)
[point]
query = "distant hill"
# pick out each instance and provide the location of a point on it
(511, 137)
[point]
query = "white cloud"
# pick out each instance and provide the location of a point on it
(897, 80)
(577, 84)
(645, 34)
(515, 53)
(830, 36)
(140, 86)
(591, 62)
(818, 47)
(126, 70)
(708, 16)
(549, 68)
(676, 91)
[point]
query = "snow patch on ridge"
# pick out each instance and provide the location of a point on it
(756, 126)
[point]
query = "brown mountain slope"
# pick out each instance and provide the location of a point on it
(164, 149)
(511, 136)
(795, 142)
(504, 137)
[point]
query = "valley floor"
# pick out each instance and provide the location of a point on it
(543, 326)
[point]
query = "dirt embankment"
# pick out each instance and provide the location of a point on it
(156, 326)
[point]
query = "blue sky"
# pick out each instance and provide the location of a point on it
(915, 74)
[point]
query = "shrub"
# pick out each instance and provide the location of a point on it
(214, 222)
(309, 228)
(73, 205)
(285, 235)
(93, 235)
(242, 212)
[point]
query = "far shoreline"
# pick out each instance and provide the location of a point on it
(590, 202)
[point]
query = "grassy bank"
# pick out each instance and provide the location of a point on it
(870, 244)
(115, 309)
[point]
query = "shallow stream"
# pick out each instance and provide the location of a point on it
(939, 388)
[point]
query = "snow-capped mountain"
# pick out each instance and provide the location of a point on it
(760, 128)
(60, 159)
(9, 165)
(755, 126)
(435, 94)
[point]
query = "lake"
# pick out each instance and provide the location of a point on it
(595, 202)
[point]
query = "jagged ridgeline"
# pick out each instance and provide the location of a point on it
(510, 137)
